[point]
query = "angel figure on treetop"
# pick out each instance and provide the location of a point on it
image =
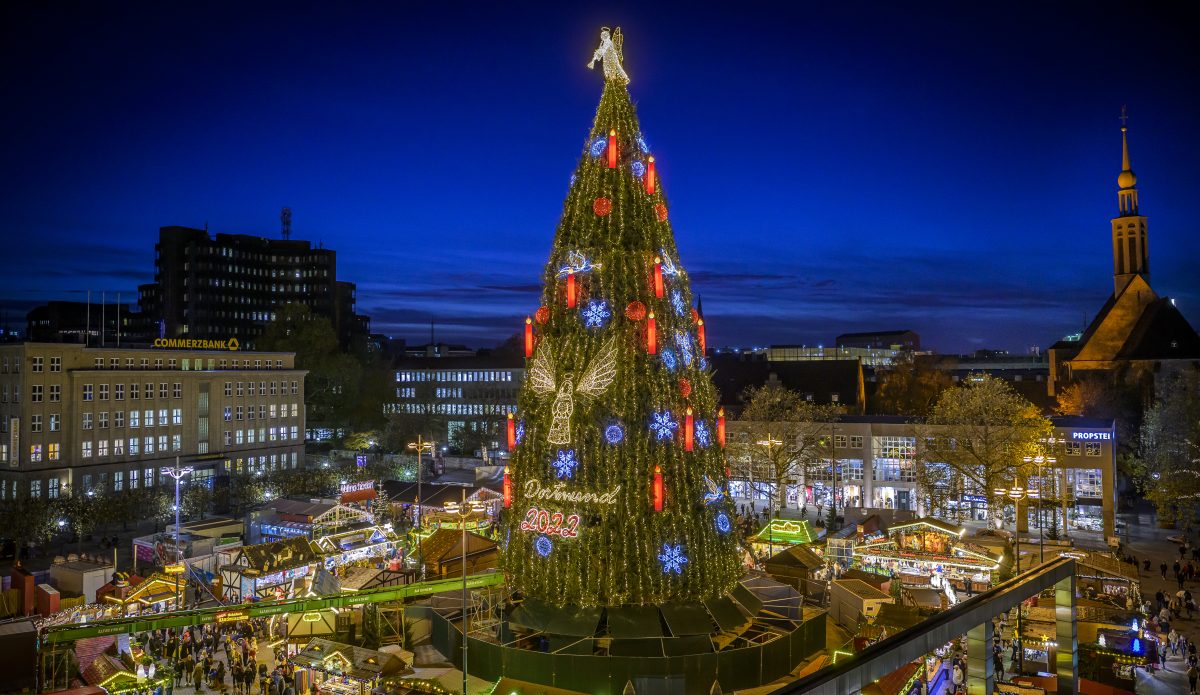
(610, 53)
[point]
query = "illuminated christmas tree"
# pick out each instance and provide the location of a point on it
(617, 473)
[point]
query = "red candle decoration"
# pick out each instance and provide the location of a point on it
(721, 427)
(512, 432)
(507, 484)
(570, 289)
(528, 337)
(657, 489)
(650, 176)
(651, 338)
(612, 149)
(700, 335)
(688, 430)
(658, 281)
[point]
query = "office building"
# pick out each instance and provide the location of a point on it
(99, 323)
(232, 285)
(74, 417)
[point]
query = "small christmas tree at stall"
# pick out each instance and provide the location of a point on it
(617, 481)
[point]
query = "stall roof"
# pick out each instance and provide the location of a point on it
(860, 589)
(634, 621)
(1106, 565)
(360, 663)
(687, 619)
(936, 524)
(795, 557)
(433, 494)
(897, 617)
(309, 508)
(893, 683)
(445, 545)
(279, 555)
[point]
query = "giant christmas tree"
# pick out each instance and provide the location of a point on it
(617, 473)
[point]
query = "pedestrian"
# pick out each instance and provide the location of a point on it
(1192, 674)
(998, 666)
(198, 677)
(1146, 563)
(1173, 640)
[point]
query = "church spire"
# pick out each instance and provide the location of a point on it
(1126, 180)
(1130, 254)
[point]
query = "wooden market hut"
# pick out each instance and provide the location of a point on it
(442, 553)
(797, 566)
(343, 669)
(258, 570)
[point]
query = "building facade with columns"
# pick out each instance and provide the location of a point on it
(76, 417)
(877, 467)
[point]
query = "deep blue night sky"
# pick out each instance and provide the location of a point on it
(950, 169)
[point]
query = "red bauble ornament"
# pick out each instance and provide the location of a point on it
(695, 314)
(661, 211)
(685, 388)
(636, 311)
(542, 315)
(603, 206)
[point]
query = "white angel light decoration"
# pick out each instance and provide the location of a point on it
(598, 377)
(610, 53)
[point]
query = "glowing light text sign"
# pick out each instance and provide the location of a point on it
(1091, 436)
(550, 523)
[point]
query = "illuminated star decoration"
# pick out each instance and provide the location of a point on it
(638, 169)
(672, 558)
(683, 341)
(543, 546)
(564, 464)
(713, 492)
(519, 433)
(669, 360)
(596, 314)
(598, 146)
(677, 302)
(614, 434)
(723, 523)
(663, 425)
(577, 263)
(701, 434)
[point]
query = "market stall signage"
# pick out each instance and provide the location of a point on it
(231, 616)
(177, 568)
(357, 487)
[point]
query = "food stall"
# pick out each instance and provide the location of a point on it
(157, 593)
(333, 668)
(929, 552)
(355, 546)
(784, 533)
(269, 570)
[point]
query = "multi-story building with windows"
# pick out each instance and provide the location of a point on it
(472, 393)
(232, 285)
(73, 417)
(878, 459)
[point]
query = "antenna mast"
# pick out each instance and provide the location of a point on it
(285, 223)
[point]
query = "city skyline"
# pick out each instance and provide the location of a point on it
(883, 169)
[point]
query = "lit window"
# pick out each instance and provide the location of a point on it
(35, 452)
(52, 451)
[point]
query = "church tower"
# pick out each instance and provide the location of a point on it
(1130, 252)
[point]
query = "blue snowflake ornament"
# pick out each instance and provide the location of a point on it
(543, 546)
(703, 362)
(683, 341)
(638, 169)
(564, 464)
(701, 434)
(677, 302)
(669, 360)
(596, 313)
(598, 146)
(614, 434)
(672, 558)
(663, 425)
(519, 432)
(724, 525)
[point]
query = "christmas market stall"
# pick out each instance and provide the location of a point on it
(799, 567)
(157, 593)
(1102, 577)
(442, 553)
(784, 533)
(269, 571)
(929, 552)
(356, 546)
(333, 668)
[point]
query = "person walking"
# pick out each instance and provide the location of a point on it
(1192, 674)
(998, 665)
(1173, 640)
(198, 677)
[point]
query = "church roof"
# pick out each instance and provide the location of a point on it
(1161, 333)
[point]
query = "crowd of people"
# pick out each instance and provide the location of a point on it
(224, 658)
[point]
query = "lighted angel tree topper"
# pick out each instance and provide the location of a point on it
(602, 409)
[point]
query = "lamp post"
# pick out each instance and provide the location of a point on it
(1041, 460)
(463, 512)
(419, 446)
(177, 472)
(1017, 493)
(770, 442)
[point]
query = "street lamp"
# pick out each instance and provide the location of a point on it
(1017, 493)
(463, 512)
(1041, 460)
(770, 442)
(419, 446)
(177, 472)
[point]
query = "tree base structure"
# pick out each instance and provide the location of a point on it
(754, 635)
